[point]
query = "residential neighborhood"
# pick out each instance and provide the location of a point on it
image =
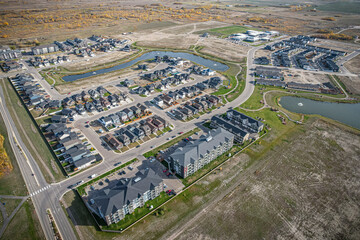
(179, 120)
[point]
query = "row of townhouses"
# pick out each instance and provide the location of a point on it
(139, 130)
(242, 126)
(193, 107)
(71, 151)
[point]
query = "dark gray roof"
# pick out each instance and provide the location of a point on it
(246, 120)
(230, 126)
(197, 149)
(121, 192)
(84, 161)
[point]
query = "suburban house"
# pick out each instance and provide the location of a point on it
(112, 141)
(121, 197)
(59, 119)
(129, 113)
(196, 154)
(84, 162)
(122, 116)
(158, 101)
(124, 139)
(129, 82)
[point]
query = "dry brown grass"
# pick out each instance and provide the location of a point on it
(298, 193)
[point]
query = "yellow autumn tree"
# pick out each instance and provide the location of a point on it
(5, 164)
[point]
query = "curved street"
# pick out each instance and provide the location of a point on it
(45, 196)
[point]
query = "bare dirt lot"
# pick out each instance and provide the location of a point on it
(263, 53)
(114, 77)
(161, 40)
(305, 77)
(299, 193)
(336, 45)
(353, 65)
(100, 58)
(352, 84)
(223, 48)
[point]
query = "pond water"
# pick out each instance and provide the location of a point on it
(216, 66)
(343, 112)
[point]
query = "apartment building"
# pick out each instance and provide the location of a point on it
(123, 196)
(196, 154)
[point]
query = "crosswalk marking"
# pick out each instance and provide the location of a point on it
(40, 190)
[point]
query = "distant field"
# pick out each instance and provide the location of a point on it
(345, 7)
(226, 31)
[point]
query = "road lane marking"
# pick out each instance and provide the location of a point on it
(27, 160)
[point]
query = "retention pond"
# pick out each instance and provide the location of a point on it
(150, 55)
(343, 112)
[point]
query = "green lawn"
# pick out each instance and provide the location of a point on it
(30, 134)
(254, 101)
(240, 87)
(12, 183)
(170, 143)
(226, 31)
(10, 204)
(25, 224)
(230, 75)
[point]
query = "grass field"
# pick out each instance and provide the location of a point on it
(296, 191)
(240, 87)
(10, 204)
(29, 134)
(13, 183)
(226, 31)
(254, 101)
(343, 7)
(25, 224)
(231, 76)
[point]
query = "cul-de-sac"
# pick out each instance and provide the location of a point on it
(179, 120)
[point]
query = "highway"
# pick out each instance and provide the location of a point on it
(41, 193)
(45, 196)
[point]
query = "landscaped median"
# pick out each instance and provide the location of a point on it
(81, 189)
(170, 143)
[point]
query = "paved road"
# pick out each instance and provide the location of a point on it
(42, 194)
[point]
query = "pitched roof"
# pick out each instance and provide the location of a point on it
(192, 151)
(121, 192)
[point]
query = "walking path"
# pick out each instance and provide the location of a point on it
(7, 218)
